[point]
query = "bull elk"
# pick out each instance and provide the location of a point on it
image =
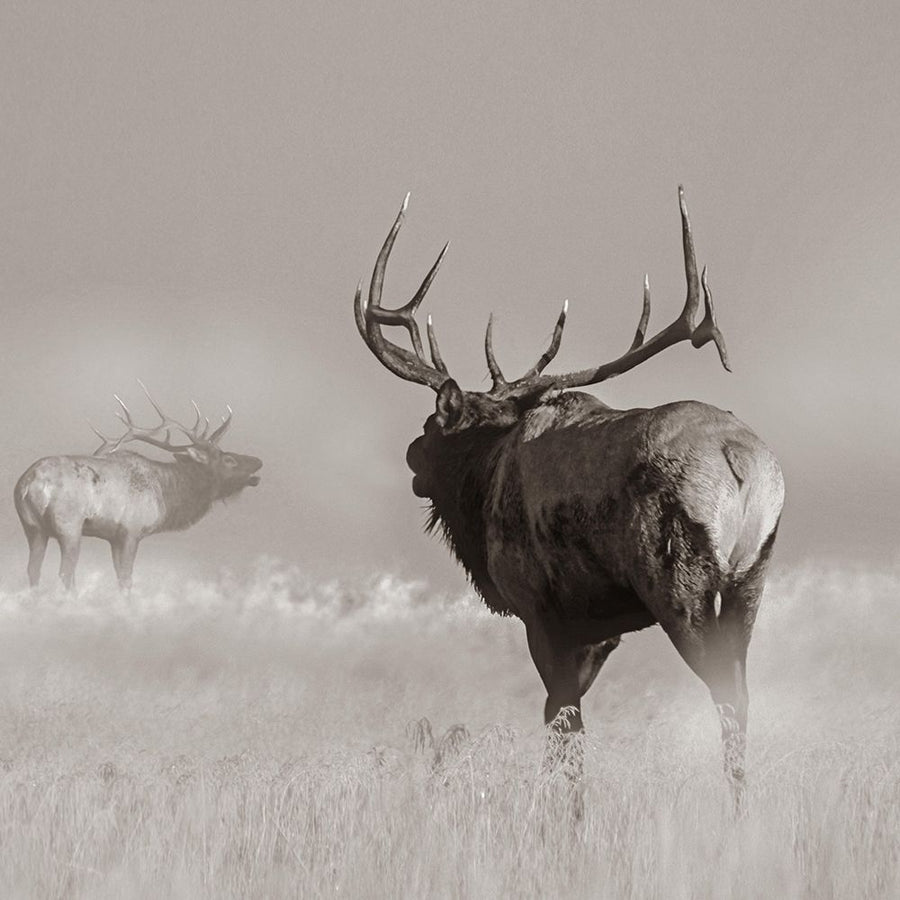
(588, 522)
(121, 496)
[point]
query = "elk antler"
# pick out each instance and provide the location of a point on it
(501, 386)
(197, 434)
(371, 315)
(682, 329)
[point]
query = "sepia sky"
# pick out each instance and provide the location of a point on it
(189, 193)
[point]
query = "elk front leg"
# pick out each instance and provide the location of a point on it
(590, 660)
(560, 669)
(124, 550)
(567, 669)
(69, 547)
(37, 547)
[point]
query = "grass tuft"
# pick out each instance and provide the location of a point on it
(269, 736)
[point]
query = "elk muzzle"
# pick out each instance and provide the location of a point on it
(415, 459)
(254, 465)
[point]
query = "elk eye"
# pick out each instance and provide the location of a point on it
(229, 460)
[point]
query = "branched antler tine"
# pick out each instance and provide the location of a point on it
(642, 348)
(405, 315)
(408, 310)
(226, 423)
(381, 262)
(708, 330)
(436, 358)
(149, 435)
(370, 316)
(162, 416)
(692, 303)
(493, 367)
(416, 339)
(199, 416)
(165, 420)
(359, 315)
(641, 332)
(553, 349)
(126, 418)
(419, 295)
(107, 443)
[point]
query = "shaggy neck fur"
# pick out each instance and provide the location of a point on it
(188, 490)
(467, 468)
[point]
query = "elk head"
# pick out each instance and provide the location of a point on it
(465, 419)
(229, 472)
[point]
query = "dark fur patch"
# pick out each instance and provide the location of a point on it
(84, 470)
(467, 467)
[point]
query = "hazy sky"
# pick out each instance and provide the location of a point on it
(190, 192)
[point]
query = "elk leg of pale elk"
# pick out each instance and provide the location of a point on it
(69, 546)
(124, 550)
(37, 547)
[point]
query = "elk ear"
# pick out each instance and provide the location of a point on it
(193, 453)
(449, 405)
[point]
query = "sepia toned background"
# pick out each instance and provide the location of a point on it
(190, 193)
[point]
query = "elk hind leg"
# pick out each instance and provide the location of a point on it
(37, 547)
(740, 599)
(716, 649)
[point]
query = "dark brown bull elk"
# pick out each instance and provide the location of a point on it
(588, 522)
(122, 497)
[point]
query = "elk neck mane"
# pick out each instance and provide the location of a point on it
(460, 513)
(187, 490)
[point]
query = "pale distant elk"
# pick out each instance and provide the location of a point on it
(122, 497)
(588, 522)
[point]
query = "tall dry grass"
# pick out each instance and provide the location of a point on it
(264, 736)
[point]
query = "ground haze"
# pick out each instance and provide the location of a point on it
(265, 735)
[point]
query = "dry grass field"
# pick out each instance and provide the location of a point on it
(264, 736)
